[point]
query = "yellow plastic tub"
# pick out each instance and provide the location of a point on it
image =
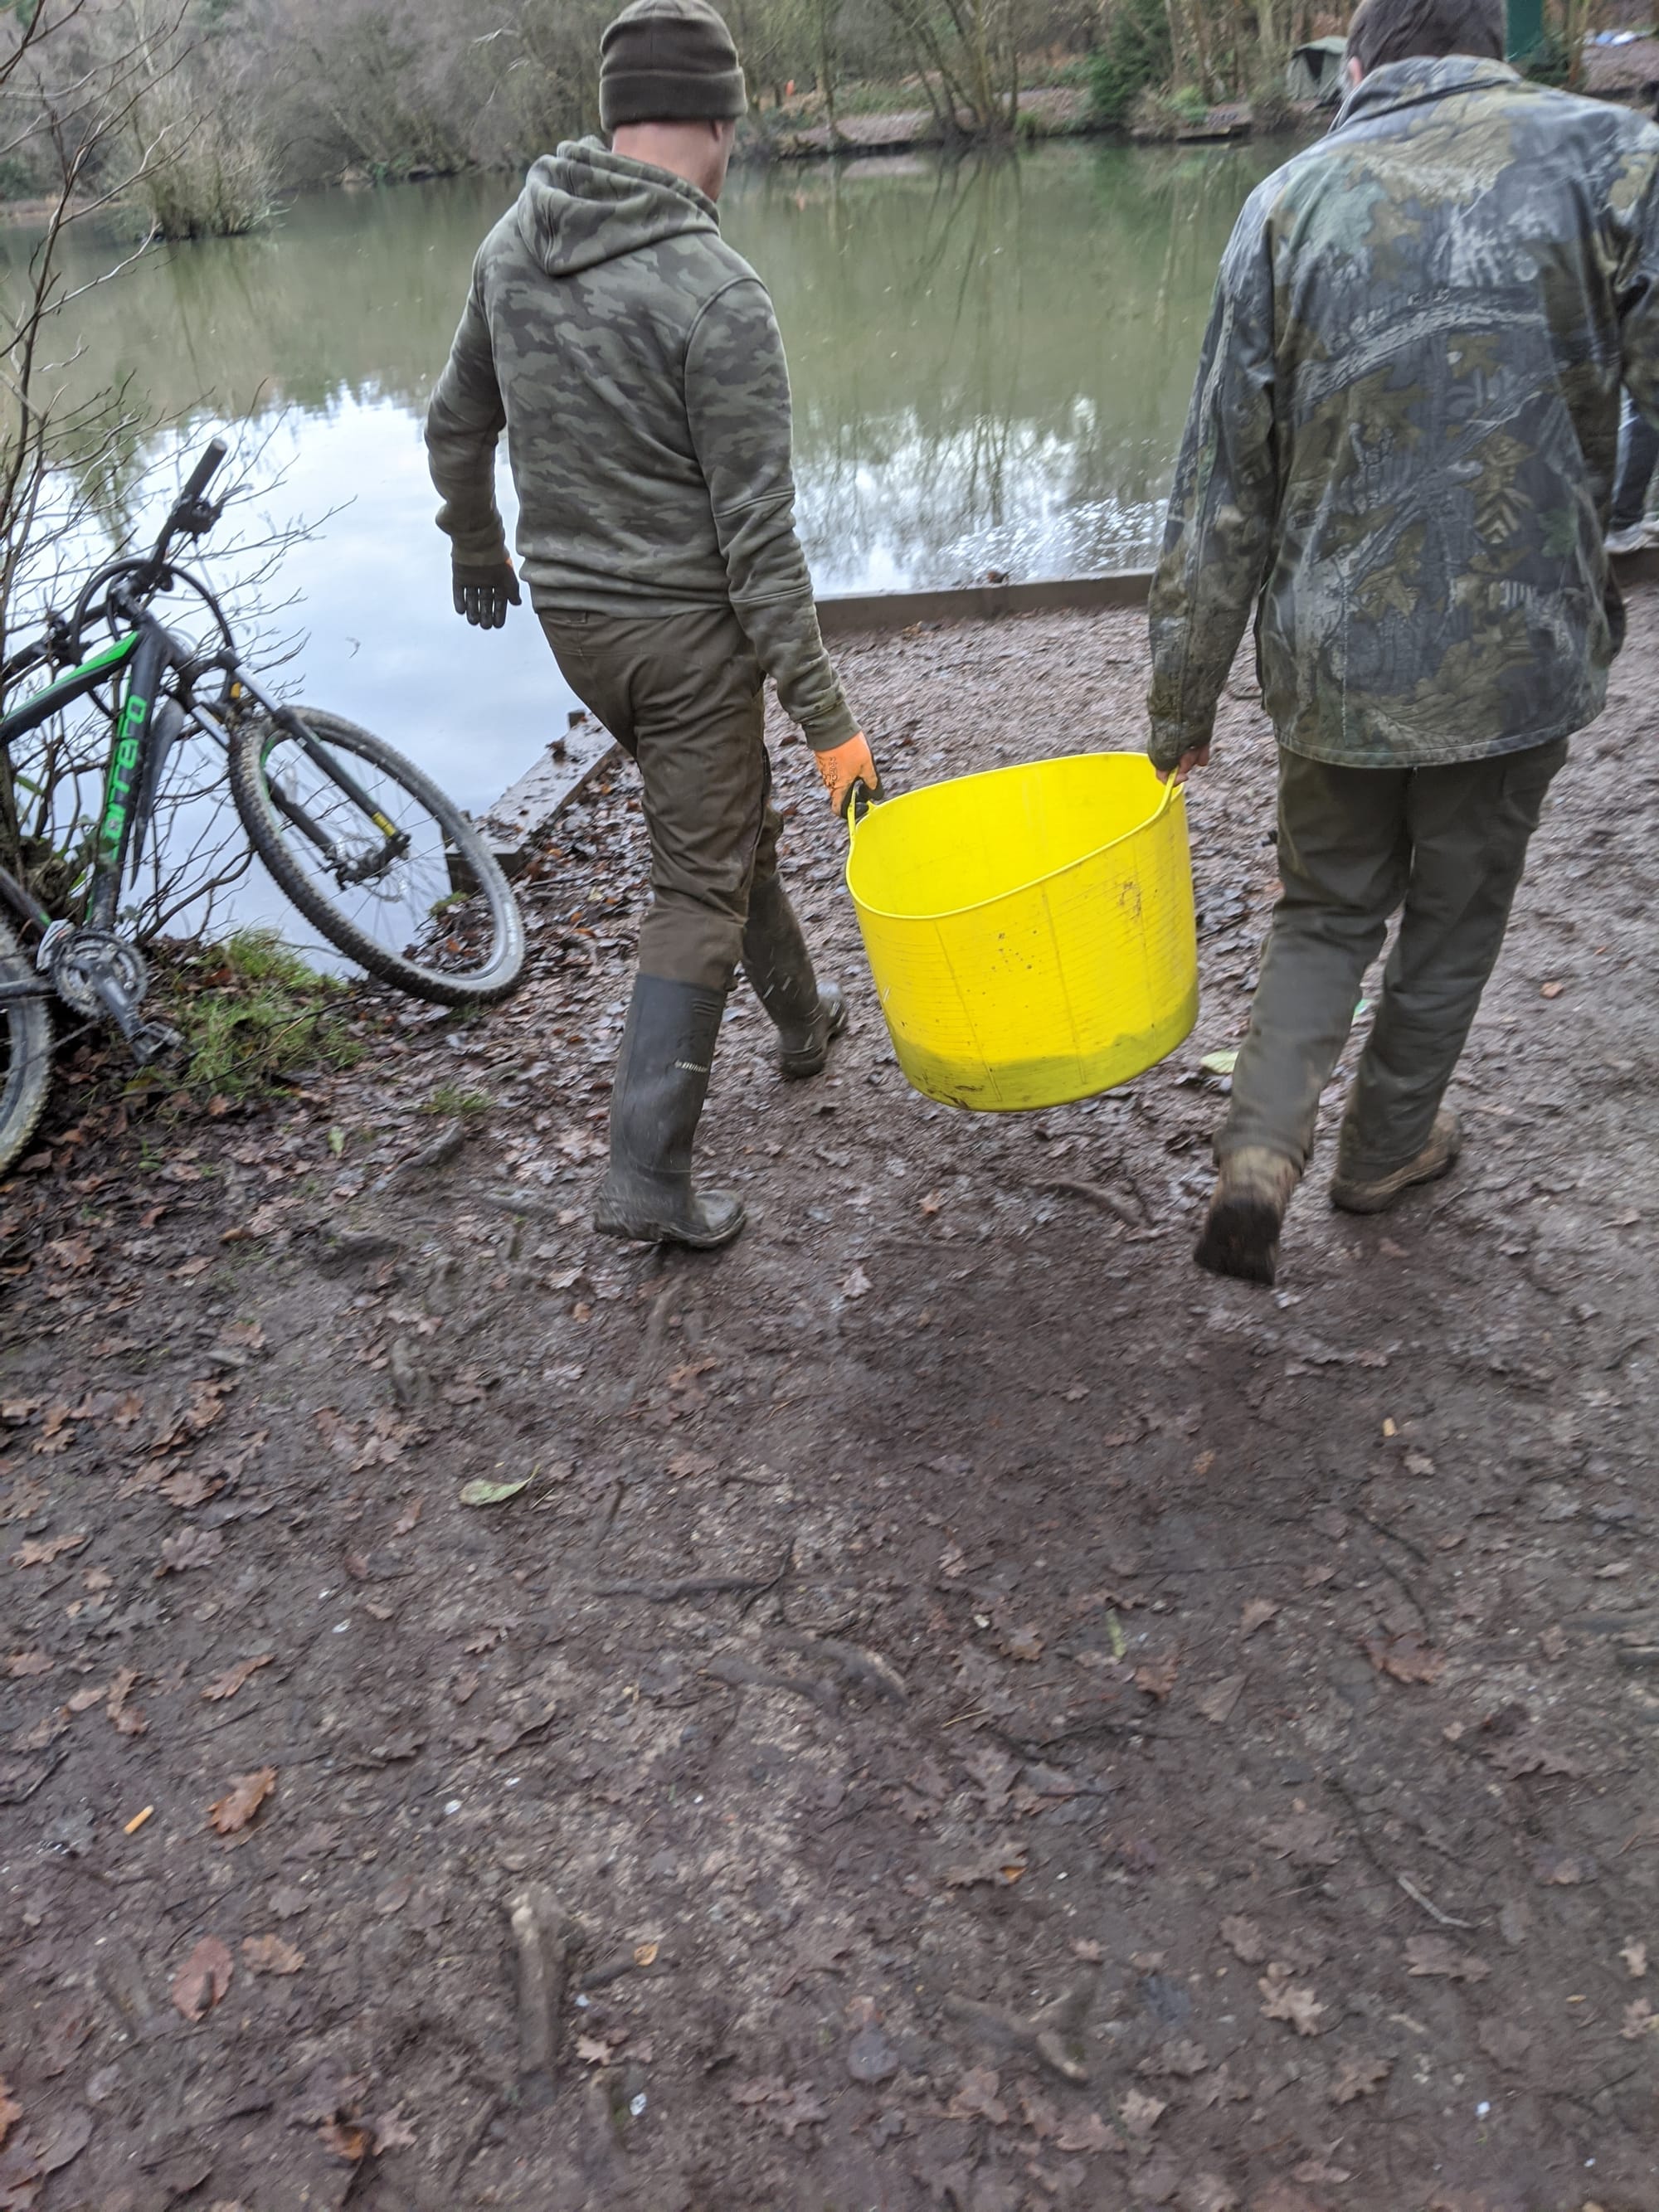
(1031, 931)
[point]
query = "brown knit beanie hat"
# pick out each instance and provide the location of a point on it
(669, 61)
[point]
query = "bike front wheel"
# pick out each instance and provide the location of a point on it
(380, 880)
(24, 1054)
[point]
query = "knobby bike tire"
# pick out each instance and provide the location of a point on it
(266, 831)
(26, 1079)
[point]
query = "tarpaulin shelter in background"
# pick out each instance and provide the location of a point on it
(1314, 72)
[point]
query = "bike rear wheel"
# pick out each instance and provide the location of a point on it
(25, 1054)
(399, 917)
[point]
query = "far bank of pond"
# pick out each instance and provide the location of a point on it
(991, 362)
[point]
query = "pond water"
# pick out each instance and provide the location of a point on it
(991, 364)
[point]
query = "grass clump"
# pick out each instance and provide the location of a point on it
(253, 1016)
(449, 1098)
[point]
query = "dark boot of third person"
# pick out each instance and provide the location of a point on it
(656, 1098)
(808, 1014)
(1246, 1211)
(1375, 1193)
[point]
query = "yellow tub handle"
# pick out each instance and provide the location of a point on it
(860, 800)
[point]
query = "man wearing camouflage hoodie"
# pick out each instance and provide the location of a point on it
(633, 361)
(1401, 450)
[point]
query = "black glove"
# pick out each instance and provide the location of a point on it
(484, 595)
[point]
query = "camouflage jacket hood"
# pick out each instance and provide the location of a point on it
(1401, 443)
(633, 359)
(584, 205)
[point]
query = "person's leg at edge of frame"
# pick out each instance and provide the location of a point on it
(1471, 825)
(1639, 456)
(1343, 860)
(808, 1015)
(693, 726)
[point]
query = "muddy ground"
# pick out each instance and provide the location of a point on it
(970, 1711)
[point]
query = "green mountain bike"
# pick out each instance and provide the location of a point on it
(366, 846)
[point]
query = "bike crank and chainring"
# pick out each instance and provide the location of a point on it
(87, 958)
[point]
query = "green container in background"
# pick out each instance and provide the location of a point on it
(1525, 30)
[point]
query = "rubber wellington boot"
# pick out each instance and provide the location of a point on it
(808, 1014)
(1246, 1211)
(656, 1098)
(1376, 1193)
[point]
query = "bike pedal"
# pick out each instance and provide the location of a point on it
(154, 1044)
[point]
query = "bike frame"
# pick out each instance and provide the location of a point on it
(147, 653)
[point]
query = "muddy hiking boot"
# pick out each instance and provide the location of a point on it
(656, 1098)
(808, 1014)
(1376, 1193)
(1247, 1211)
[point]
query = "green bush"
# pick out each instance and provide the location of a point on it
(1134, 52)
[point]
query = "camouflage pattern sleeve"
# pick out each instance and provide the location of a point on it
(1217, 538)
(736, 402)
(462, 423)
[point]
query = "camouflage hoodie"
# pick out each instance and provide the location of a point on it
(634, 360)
(1405, 425)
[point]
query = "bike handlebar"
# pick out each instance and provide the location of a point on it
(203, 474)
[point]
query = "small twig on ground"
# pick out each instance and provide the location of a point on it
(1046, 2034)
(739, 1674)
(1446, 1919)
(517, 1202)
(689, 1586)
(1096, 1194)
(651, 1344)
(544, 1935)
(866, 1670)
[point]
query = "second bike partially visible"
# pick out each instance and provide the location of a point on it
(365, 844)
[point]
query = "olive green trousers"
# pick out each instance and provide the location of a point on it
(682, 693)
(1446, 848)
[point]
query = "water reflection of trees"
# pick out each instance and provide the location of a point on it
(991, 359)
(992, 362)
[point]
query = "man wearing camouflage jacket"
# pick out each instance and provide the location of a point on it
(1401, 448)
(633, 361)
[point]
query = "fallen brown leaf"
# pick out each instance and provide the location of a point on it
(231, 1812)
(1292, 2002)
(227, 1684)
(45, 1550)
(10, 2111)
(189, 1486)
(345, 2140)
(977, 2097)
(1215, 1704)
(127, 1721)
(1000, 1868)
(22, 1664)
(1561, 1869)
(1085, 2132)
(1406, 1657)
(1256, 1614)
(1140, 2114)
(1359, 2077)
(1243, 1939)
(392, 2132)
(269, 1955)
(203, 1980)
(1505, 2040)
(191, 1547)
(1157, 1676)
(1438, 1954)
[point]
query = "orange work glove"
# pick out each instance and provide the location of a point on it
(844, 768)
